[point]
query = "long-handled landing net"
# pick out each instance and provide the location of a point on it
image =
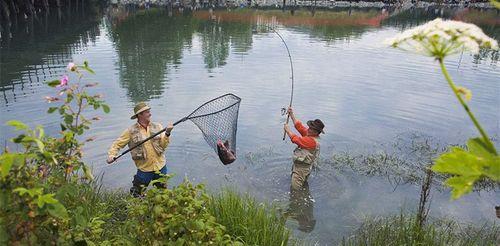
(217, 119)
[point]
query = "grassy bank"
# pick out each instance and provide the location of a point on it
(183, 215)
(251, 222)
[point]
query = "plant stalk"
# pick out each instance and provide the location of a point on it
(487, 140)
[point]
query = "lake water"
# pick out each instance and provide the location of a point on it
(366, 94)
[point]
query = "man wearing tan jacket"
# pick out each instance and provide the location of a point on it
(150, 156)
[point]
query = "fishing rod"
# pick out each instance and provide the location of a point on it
(292, 78)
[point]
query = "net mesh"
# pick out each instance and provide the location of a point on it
(218, 119)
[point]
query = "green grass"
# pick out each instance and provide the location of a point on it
(249, 221)
(245, 219)
(403, 230)
(254, 223)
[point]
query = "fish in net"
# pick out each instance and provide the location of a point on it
(218, 121)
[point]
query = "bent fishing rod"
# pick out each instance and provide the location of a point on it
(292, 78)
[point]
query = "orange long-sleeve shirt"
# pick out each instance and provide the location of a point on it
(303, 141)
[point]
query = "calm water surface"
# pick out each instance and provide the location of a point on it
(365, 93)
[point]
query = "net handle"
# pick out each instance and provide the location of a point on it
(180, 121)
(147, 139)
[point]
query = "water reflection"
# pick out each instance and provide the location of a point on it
(214, 44)
(148, 43)
(367, 92)
(301, 208)
(218, 37)
(325, 25)
(34, 49)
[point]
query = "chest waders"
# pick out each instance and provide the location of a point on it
(303, 161)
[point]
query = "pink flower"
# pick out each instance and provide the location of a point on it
(64, 81)
(71, 66)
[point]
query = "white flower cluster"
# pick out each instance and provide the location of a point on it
(439, 38)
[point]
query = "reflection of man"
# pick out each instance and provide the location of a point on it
(302, 208)
(148, 157)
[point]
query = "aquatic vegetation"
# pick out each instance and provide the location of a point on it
(402, 230)
(439, 39)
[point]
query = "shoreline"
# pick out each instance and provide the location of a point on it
(277, 4)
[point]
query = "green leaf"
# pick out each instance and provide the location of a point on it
(496, 3)
(48, 198)
(468, 166)
(52, 110)
(458, 162)
(480, 147)
(57, 210)
(54, 83)
(492, 169)
(461, 185)
(41, 132)
(17, 124)
(69, 98)
(105, 108)
(79, 218)
(8, 160)
(19, 138)
(68, 119)
(40, 145)
(90, 70)
(63, 127)
(32, 192)
(88, 172)
(62, 110)
(86, 67)
(21, 190)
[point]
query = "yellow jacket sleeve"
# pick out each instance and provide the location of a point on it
(119, 143)
(164, 140)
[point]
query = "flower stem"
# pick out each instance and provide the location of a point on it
(487, 140)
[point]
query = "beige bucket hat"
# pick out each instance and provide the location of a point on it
(139, 108)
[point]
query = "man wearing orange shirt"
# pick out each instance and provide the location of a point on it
(306, 154)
